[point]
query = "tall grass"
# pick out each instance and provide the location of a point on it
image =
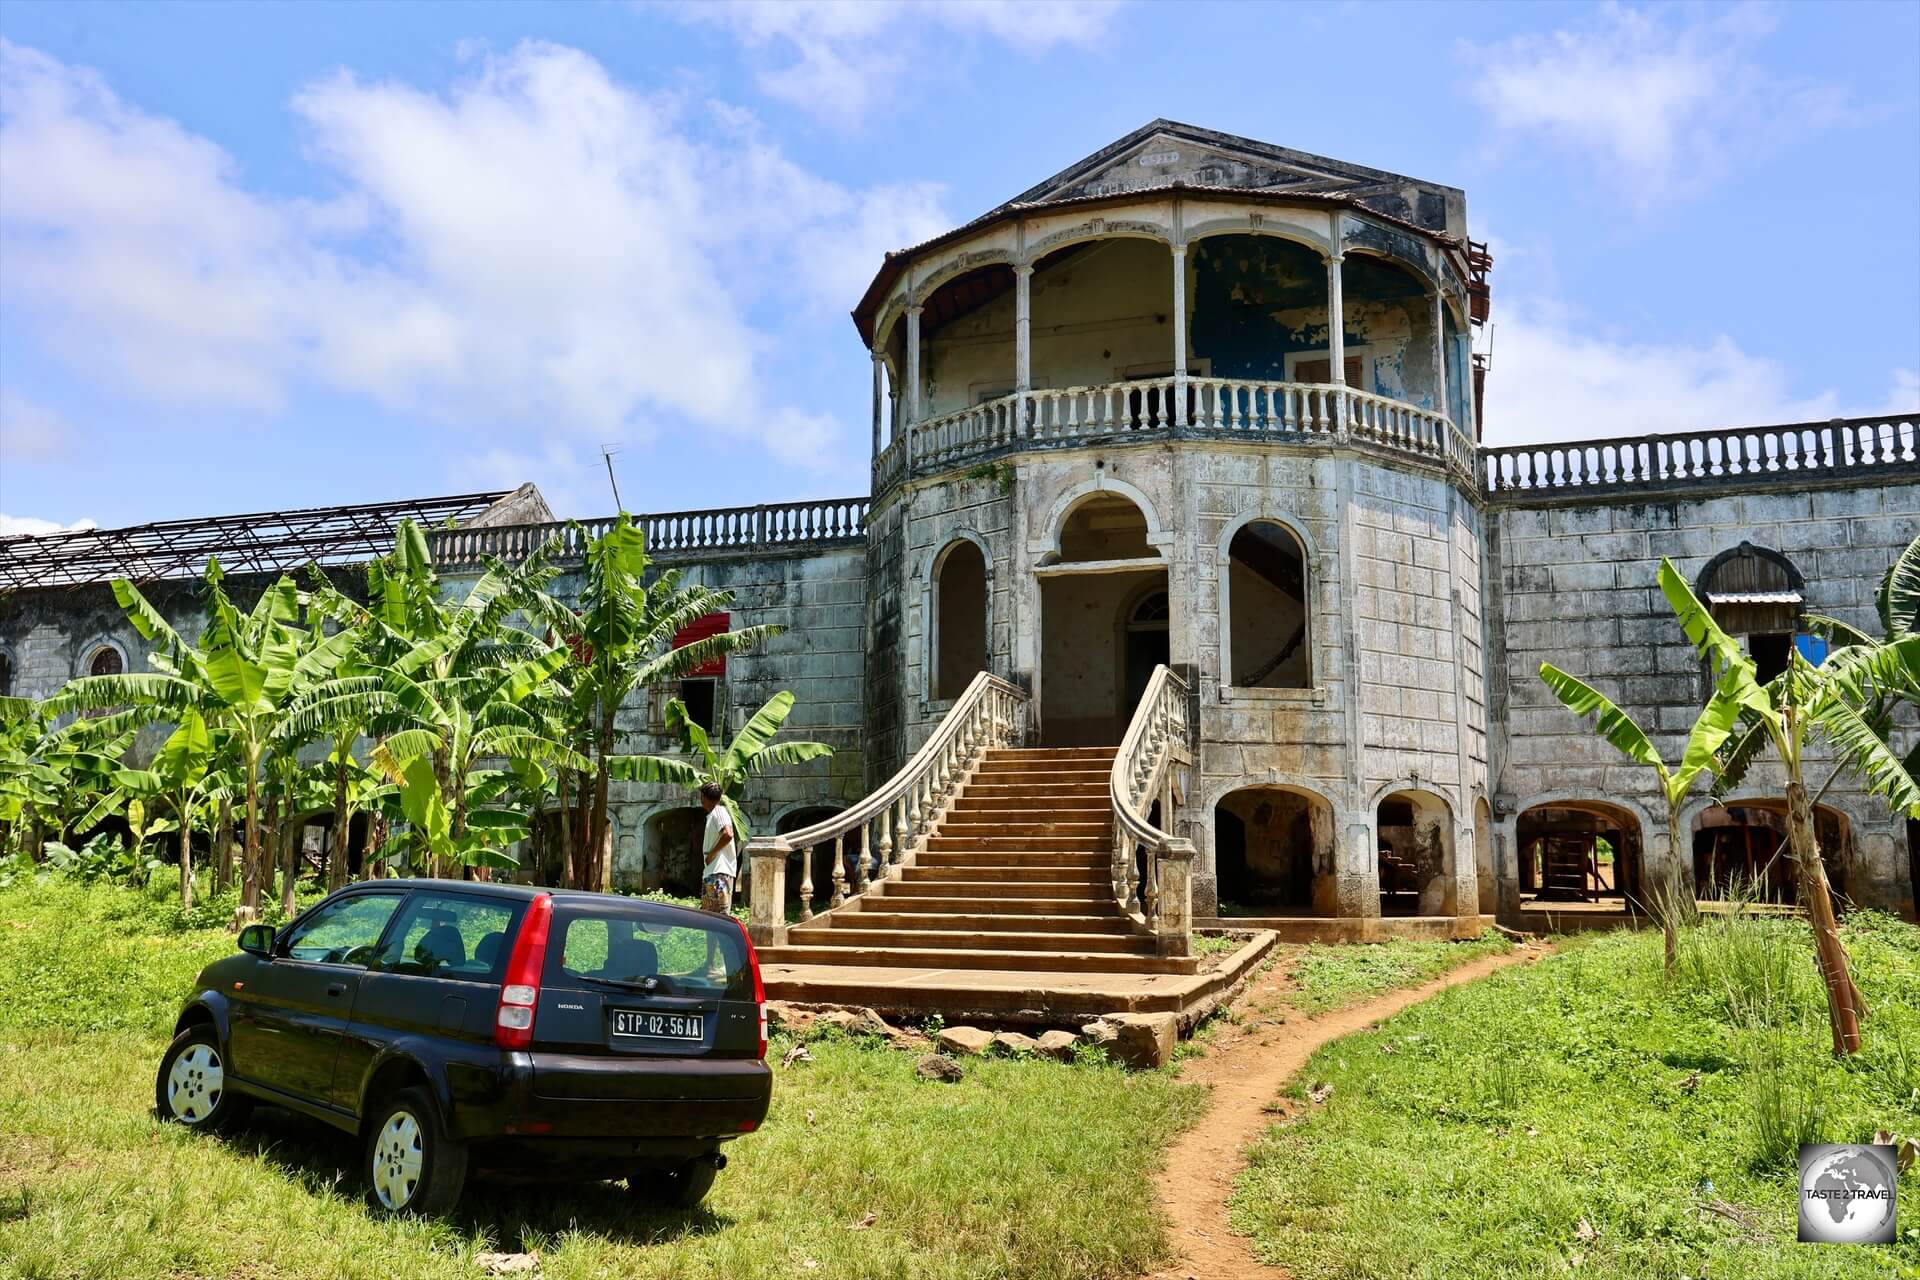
(1785, 1100)
(1753, 969)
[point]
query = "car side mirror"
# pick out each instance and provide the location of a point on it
(257, 940)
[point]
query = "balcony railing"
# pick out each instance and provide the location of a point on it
(772, 527)
(1844, 446)
(1215, 407)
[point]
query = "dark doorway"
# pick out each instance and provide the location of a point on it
(1147, 648)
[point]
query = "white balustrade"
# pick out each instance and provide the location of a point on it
(886, 829)
(1151, 866)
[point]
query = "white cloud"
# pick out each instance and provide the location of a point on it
(1558, 376)
(538, 246)
(16, 526)
(1663, 100)
(839, 59)
(29, 432)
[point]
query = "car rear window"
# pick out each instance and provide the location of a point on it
(647, 951)
(450, 935)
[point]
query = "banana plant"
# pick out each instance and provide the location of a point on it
(751, 753)
(1831, 702)
(620, 640)
(1711, 730)
(181, 775)
(242, 675)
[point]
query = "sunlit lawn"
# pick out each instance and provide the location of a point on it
(1582, 1116)
(1025, 1168)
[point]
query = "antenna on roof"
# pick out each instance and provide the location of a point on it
(606, 455)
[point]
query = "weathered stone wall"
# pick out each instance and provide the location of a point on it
(1575, 584)
(1393, 577)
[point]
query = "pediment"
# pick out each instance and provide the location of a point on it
(1164, 157)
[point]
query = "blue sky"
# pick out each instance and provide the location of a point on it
(269, 255)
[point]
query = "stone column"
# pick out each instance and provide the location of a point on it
(1022, 345)
(767, 887)
(1440, 355)
(1180, 335)
(1337, 340)
(1173, 932)
(879, 394)
(913, 376)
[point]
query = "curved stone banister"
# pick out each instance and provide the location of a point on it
(1156, 741)
(888, 826)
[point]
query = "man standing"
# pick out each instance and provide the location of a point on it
(716, 876)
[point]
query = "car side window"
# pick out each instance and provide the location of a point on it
(449, 935)
(343, 932)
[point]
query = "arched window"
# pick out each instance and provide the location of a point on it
(960, 619)
(6, 675)
(106, 661)
(1755, 593)
(1267, 603)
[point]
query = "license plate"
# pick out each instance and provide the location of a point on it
(659, 1026)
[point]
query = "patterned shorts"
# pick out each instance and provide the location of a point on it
(716, 894)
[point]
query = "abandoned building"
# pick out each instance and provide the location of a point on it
(1185, 591)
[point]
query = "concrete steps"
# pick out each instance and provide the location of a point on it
(1015, 878)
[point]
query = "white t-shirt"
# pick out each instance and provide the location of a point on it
(723, 863)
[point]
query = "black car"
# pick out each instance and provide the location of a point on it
(543, 1034)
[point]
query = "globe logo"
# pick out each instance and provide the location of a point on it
(1847, 1194)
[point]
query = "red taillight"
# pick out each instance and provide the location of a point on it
(513, 1025)
(759, 987)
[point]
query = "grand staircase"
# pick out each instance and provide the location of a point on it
(1016, 876)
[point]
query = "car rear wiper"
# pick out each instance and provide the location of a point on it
(624, 984)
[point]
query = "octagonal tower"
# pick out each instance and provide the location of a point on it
(1202, 401)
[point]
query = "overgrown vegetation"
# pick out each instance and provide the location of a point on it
(454, 722)
(1589, 1115)
(1026, 1168)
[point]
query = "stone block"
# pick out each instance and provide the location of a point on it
(1143, 1040)
(1057, 1045)
(964, 1040)
(1013, 1042)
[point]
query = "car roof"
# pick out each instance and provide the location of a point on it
(527, 892)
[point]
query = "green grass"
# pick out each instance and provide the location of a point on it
(1584, 1116)
(1026, 1168)
(1327, 977)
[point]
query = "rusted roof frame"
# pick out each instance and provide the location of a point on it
(259, 542)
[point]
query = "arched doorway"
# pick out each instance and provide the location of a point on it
(670, 854)
(1273, 851)
(1740, 851)
(960, 619)
(1416, 855)
(1104, 619)
(1581, 851)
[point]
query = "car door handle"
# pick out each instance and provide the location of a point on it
(336, 988)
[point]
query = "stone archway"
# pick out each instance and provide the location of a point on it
(1414, 831)
(1577, 850)
(1275, 852)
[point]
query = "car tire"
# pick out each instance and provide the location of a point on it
(191, 1087)
(680, 1187)
(412, 1164)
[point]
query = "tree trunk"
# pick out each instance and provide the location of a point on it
(376, 840)
(1676, 886)
(186, 861)
(342, 821)
(570, 868)
(223, 847)
(600, 839)
(289, 861)
(250, 854)
(1842, 1000)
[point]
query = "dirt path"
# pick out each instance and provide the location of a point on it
(1246, 1072)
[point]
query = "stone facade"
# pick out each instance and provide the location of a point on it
(1210, 403)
